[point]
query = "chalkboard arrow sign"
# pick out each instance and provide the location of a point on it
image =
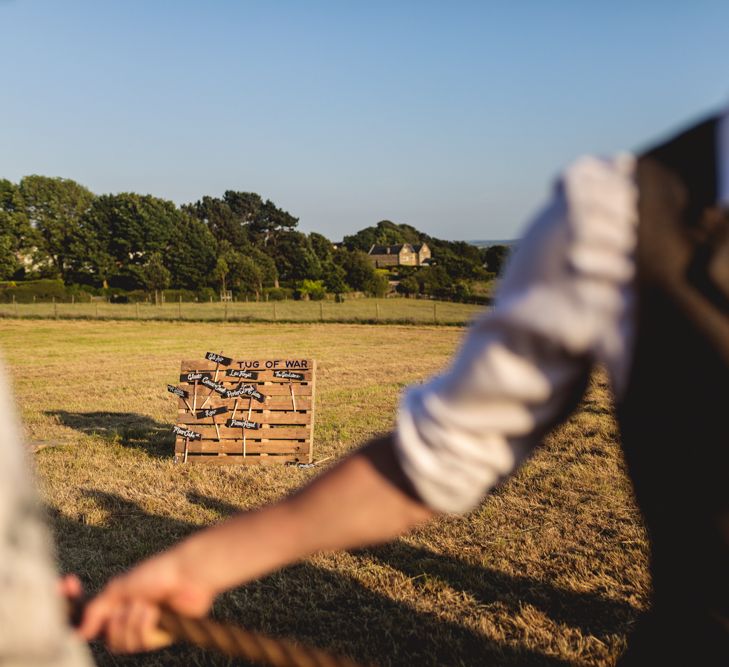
(245, 390)
(195, 377)
(288, 375)
(186, 433)
(242, 373)
(215, 386)
(242, 423)
(177, 391)
(211, 412)
(218, 359)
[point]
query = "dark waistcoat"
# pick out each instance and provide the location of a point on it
(674, 417)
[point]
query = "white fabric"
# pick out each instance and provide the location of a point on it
(33, 632)
(567, 301)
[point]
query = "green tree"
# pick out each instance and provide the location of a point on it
(384, 232)
(358, 269)
(16, 236)
(408, 286)
(294, 257)
(191, 253)
(269, 223)
(435, 281)
(228, 219)
(334, 277)
(244, 274)
(247, 222)
(378, 285)
(220, 274)
(269, 273)
(321, 246)
(156, 276)
(8, 260)
(312, 289)
(119, 234)
(54, 207)
(496, 256)
(461, 291)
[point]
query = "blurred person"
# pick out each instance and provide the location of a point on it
(34, 630)
(627, 266)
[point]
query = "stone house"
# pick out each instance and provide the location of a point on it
(402, 254)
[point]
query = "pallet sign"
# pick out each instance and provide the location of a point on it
(252, 412)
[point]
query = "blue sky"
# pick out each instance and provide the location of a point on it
(451, 116)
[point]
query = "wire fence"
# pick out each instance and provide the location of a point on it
(385, 311)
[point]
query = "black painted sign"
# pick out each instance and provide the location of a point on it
(245, 390)
(211, 412)
(288, 375)
(186, 433)
(242, 373)
(242, 423)
(274, 364)
(177, 391)
(218, 359)
(215, 386)
(194, 376)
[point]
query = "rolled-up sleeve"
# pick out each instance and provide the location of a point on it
(523, 366)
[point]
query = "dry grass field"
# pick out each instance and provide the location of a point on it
(549, 570)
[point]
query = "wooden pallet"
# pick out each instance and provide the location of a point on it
(278, 420)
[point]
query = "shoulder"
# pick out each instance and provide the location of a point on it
(592, 217)
(599, 204)
(588, 224)
(567, 277)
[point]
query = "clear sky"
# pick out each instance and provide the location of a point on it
(451, 116)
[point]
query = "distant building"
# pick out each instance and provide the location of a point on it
(402, 254)
(423, 252)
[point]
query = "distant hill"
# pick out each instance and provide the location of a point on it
(490, 242)
(460, 260)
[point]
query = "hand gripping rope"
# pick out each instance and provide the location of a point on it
(235, 642)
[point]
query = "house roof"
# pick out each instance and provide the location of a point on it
(389, 249)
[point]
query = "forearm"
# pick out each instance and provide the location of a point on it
(363, 500)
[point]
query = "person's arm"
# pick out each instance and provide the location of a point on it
(564, 303)
(365, 499)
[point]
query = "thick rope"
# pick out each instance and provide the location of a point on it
(235, 642)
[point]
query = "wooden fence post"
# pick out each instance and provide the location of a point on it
(435, 312)
(321, 311)
(377, 310)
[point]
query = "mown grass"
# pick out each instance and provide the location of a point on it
(549, 570)
(396, 310)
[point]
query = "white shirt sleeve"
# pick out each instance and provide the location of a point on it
(563, 304)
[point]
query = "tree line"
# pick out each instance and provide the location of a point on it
(57, 228)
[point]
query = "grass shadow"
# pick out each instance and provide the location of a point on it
(318, 606)
(220, 507)
(591, 613)
(129, 429)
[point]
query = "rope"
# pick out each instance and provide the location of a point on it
(233, 641)
(236, 642)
